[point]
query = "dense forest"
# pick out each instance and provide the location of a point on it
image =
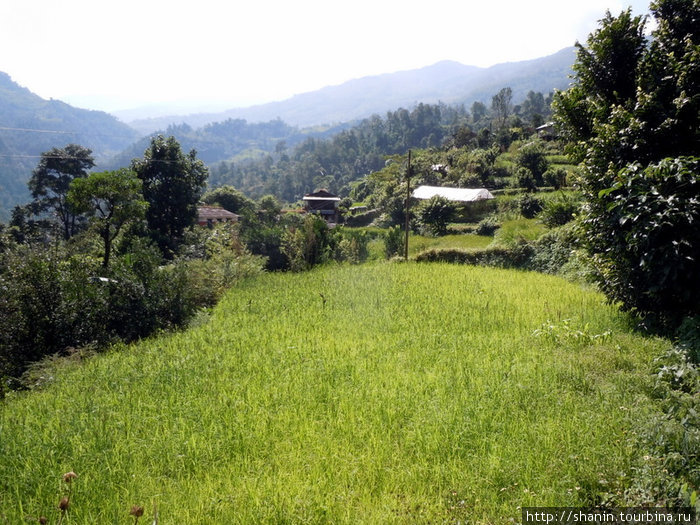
(354, 153)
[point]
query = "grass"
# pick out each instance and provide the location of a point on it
(384, 393)
(515, 229)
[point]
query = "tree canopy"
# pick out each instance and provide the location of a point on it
(172, 186)
(51, 180)
(632, 117)
(111, 199)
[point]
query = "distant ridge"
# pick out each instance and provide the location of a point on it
(449, 82)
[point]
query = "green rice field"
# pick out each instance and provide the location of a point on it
(382, 393)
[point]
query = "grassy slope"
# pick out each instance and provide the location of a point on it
(415, 393)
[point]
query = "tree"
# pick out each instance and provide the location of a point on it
(501, 106)
(632, 117)
(435, 214)
(111, 199)
(51, 180)
(532, 157)
(478, 111)
(172, 186)
(230, 199)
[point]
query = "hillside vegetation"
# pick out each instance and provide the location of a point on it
(30, 125)
(385, 393)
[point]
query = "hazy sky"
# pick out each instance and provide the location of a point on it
(129, 53)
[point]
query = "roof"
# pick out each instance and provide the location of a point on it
(452, 194)
(321, 195)
(214, 213)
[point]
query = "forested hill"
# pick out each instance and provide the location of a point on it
(447, 82)
(230, 139)
(30, 125)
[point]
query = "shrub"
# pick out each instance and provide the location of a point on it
(394, 242)
(525, 179)
(528, 205)
(555, 177)
(435, 214)
(559, 211)
(487, 226)
(352, 247)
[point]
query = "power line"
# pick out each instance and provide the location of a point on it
(3, 128)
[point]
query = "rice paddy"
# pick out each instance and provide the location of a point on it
(382, 393)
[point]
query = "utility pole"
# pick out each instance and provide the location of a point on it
(408, 204)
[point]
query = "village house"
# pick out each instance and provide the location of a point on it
(210, 215)
(323, 203)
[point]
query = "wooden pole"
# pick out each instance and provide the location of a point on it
(408, 204)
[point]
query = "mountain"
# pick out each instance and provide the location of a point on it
(448, 82)
(31, 125)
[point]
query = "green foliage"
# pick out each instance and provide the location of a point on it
(307, 245)
(172, 186)
(559, 211)
(525, 179)
(351, 245)
(435, 214)
(51, 181)
(487, 226)
(633, 117)
(533, 157)
(670, 436)
(230, 199)
(515, 256)
(652, 242)
(394, 242)
(555, 177)
(111, 199)
(528, 205)
(53, 302)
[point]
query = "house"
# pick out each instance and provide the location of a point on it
(323, 203)
(452, 194)
(210, 215)
(546, 131)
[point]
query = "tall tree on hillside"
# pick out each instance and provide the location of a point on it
(110, 199)
(632, 118)
(51, 180)
(502, 106)
(172, 186)
(478, 111)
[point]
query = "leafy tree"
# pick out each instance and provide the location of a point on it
(534, 107)
(172, 186)
(111, 199)
(501, 104)
(633, 118)
(230, 199)
(51, 180)
(435, 214)
(478, 111)
(532, 157)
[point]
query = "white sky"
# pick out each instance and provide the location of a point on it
(129, 53)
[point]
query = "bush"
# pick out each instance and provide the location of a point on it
(52, 303)
(555, 177)
(487, 227)
(394, 242)
(559, 211)
(435, 214)
(525, 179)
(528, 206)
(353, 246)
(644, 233)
